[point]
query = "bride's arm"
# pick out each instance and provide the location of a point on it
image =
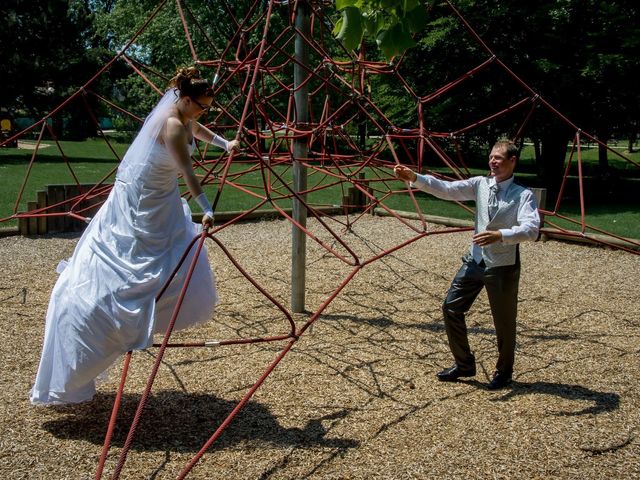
(175, 139)
(203, 133)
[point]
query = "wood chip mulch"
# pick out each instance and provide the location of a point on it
(356, 397)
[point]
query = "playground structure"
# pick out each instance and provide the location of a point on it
(295, 113)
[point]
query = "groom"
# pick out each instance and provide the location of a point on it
(506, 215)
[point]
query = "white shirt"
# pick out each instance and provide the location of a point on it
(464, 190)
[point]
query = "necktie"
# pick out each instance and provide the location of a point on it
(493, 200)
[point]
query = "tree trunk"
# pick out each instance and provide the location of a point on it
(603, 159)
(551, 162)
(536, 152)
(362, 132)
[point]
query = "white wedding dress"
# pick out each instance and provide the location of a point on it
(103, 303)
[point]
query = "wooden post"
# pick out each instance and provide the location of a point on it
(42, 221)
(55, 194)
(96, 203)
(363, 200)
(352, 199)
(345, 204)
(368, 199)
(541, 198)
(23, 226)
(71, 224)
(33, 221)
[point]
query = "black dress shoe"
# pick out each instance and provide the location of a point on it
(454, 373)
(499, 380)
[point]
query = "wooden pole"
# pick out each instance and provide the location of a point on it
(42, 221)
(541, 198)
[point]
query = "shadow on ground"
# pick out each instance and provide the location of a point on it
(601, 402)
(183, 422)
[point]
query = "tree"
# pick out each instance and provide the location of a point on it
(579, 55)
(163, 45)
(610, 69)
(45, 55)
(392, 23)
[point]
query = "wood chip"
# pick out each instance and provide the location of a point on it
(356, 397)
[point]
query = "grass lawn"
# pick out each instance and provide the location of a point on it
(620, 219)
(92, 160)
(589, 155)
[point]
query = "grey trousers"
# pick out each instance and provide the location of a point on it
(502, 290)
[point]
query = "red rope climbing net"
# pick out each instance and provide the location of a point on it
(256, 101)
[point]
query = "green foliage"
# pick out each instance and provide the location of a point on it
(581, 55)
(45, 55)
(394, 40)
(350, 28)
(162, 45)
(392, 23)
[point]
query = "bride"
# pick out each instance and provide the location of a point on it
(103, 303)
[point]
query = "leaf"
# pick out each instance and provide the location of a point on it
(394, 41)
(342, 4)
(389, 4)
(337, 27)
(374, 23)
(410, 5)
(352, 28)
(417, 20)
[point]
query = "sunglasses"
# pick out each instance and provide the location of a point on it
(204, 107)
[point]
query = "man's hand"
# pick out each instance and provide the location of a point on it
(207, 222)
(488, 237)
(404, 173)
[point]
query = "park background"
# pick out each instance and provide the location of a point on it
(580, 56)
(357, 397)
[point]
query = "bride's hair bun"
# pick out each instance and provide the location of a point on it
(190, 84)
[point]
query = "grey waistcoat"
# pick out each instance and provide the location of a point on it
(498, 254)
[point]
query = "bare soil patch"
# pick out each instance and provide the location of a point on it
(31, 145)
